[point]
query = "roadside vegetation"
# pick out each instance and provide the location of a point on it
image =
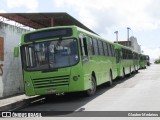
(157, 61)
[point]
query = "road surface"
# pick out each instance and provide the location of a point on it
(140, 92)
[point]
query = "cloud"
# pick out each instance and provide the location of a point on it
(2, 11)
(111, 13)
(32, 6)
(106, 16)
(154, 53)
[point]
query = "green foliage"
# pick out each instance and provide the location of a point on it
(157, 61)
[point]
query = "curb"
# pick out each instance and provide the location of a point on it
(19, 104)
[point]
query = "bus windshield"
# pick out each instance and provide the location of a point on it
(50, 55)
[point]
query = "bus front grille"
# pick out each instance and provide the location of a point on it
(51, 81)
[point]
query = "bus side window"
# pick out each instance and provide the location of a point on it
(110, 49)
(113, 52)
(105, 49)
(83, 43)
(117, 54)
(85, 46)
(130, 55)
(91, 48)
(123, 53)
(95, 46)
(126, 54)
(100, 48)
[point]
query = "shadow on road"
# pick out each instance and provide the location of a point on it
(68, 103)
(127, 77)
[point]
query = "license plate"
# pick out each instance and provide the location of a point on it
(51, 91)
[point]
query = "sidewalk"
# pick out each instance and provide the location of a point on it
(15, 102)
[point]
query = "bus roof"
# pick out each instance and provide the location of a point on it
(72, 26)
(122, 46)
(49, 28)
(93, 35)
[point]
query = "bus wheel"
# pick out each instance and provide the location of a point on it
(92, 90)
(130, 72)
(137, 70)
(110, 82)
(134, 69)
(123, 75)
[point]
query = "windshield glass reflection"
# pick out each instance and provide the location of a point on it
(50, 55)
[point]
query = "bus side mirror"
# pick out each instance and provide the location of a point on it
(16, 51)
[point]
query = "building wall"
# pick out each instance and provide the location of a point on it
(135, 45)
(11, 81)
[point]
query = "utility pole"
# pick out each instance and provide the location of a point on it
(128, 34)
(116, 32)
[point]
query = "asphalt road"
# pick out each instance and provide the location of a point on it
(139, 92)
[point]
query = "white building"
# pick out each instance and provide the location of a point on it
(134, 44)
(131, 43)
(11, 81)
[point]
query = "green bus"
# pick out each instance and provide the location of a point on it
(127, 60)
(65, 59)
(144, 61)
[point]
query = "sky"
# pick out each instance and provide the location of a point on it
(104, 17)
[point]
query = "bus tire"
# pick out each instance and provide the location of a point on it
(110, 82)
(134, 69)
(137, 70)
(130, 71)
(123, 74)
(92, 90)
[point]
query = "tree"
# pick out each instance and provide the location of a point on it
(157, 61)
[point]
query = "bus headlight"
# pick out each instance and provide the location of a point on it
(75, 78)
